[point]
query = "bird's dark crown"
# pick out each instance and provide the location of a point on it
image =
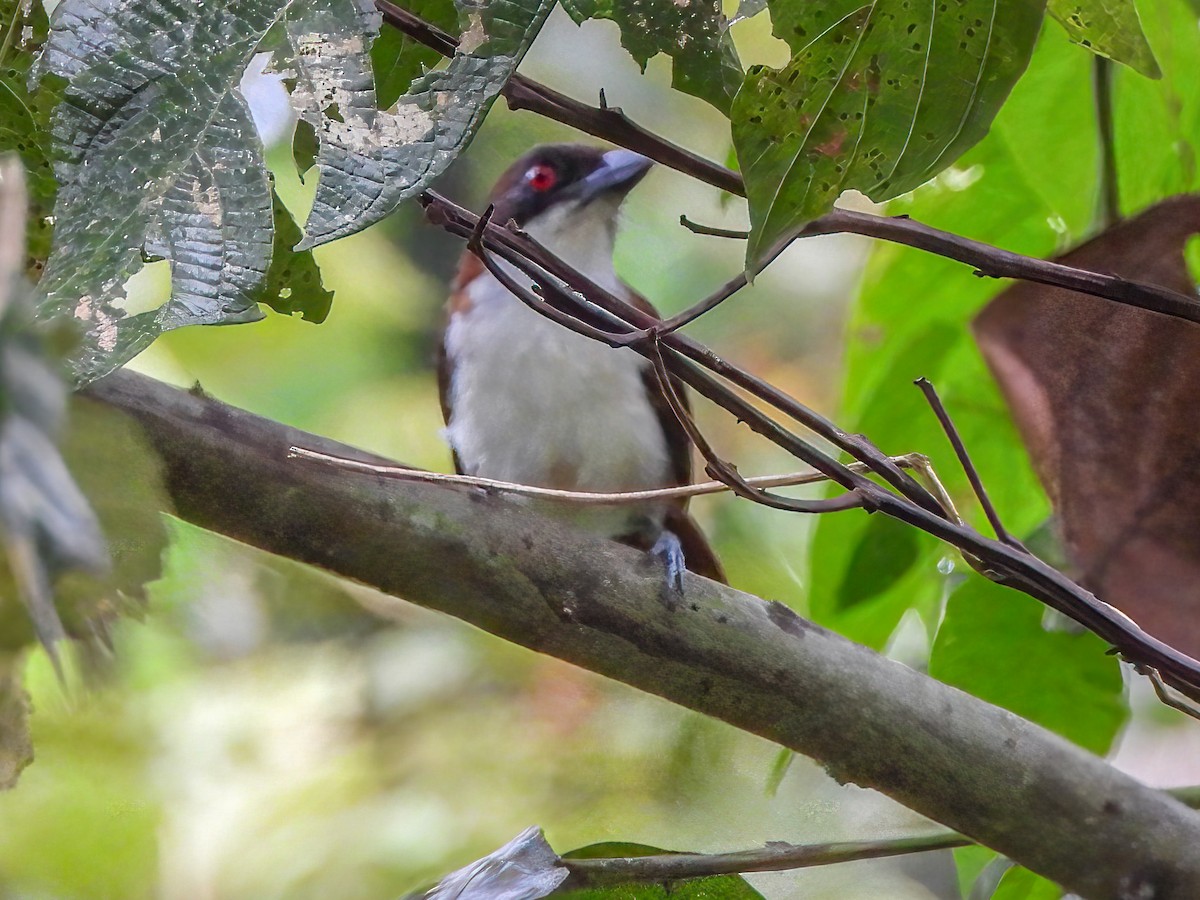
(554, 174)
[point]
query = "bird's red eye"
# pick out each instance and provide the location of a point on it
(541, 177)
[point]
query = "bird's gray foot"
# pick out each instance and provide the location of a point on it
(670, 551)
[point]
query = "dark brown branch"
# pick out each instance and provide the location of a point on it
(685, 358)
(1109, 195)
(736, 234)
(612, 125)
(608, 124)
(964, 460)
(593, 873)
(726, 472)
(978, 770)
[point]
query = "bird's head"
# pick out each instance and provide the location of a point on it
(566, 196)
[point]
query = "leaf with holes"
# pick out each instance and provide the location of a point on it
(1108, 28)
(159, 156)
(877, 96)
(693, 33)
(371, 160)
(398, 59)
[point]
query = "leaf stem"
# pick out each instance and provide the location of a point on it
(1108, 207)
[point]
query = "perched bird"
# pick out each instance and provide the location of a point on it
(527, 400)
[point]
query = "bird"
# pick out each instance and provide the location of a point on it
(527, 400)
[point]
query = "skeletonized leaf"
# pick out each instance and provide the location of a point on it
(878, 96)
(157, 155)
(1109, 28)
(370, 160)
(693, 33)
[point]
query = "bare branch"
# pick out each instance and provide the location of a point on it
(964, 460)
(612, 125)
(726, 472)
(1108, 206)
(775, 857)
(580, 299)
(712, 231)
(589, 498)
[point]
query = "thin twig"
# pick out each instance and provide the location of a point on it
(578, 297)
(964, 460)
(584, 498)
(774, 857)
(1165, 694)
(737, 234)
(726, 472)
(1108, 207)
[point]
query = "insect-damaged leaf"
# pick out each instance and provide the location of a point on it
(878, 96)
(157, 155)
(160, 157)
(1109, 28)
(692, 32)
(370, 160)
(1105, 398)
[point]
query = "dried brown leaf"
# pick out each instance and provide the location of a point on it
(1106, 398)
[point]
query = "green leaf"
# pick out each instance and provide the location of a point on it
(1109, 28)
(159, 155)
(992, 644)
(693, 33)
(1021, 884)
(397, 59)
(293, 282)
(912, 317)
(25, 116)
(878, 96)
(718, 887)
(371, 160)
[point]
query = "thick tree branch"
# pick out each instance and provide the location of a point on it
(612, 125)
(977, 769)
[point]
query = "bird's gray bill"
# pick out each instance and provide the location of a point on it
(618, 170)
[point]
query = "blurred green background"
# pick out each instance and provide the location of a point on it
(259, 734)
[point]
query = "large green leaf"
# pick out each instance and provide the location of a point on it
(992, 644)
(1108, 27)
(878, 96)
(911, 320)
(693, 33)
(370, 160)
(159, 156)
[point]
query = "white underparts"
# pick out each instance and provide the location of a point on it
(537, 404)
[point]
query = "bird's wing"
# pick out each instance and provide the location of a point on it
(679, 446)
(469, 268)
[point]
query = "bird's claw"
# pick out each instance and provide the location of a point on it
(669, 549)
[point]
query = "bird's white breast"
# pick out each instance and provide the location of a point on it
(537, 404)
